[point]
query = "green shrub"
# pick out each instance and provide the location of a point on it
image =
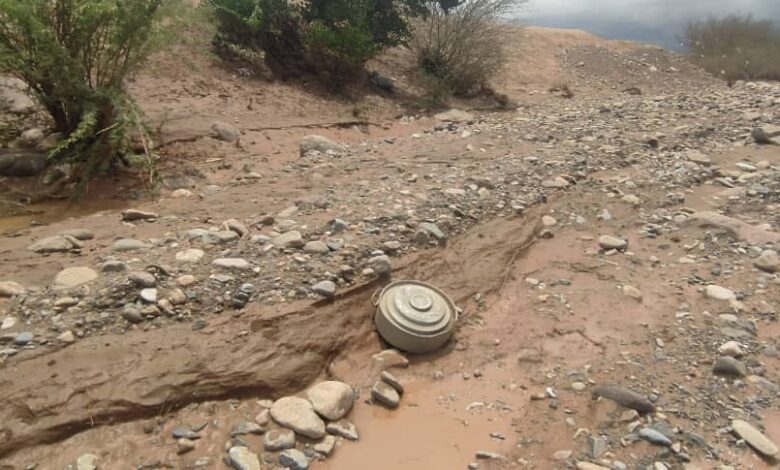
(462, 43)
(74, 55)
(333, 38)
(735, 47)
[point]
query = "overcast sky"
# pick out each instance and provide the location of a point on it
(657, 21)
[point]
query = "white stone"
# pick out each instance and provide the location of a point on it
(298, 414)
(331, 399)
(719, 293)
(191, 255)
(73, 277)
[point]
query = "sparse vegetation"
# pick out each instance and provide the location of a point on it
(735, 47)
(328, 38)
(75, 55)
(462, 42)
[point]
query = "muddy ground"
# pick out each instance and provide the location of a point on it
(519, 199)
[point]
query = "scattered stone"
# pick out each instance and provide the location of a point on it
(485, 455)
(326, 446)
(184, 445)
(236, 226)
(291, 239)
(316, 247)
(55, 244)
(556, 183)
(132, 315)
(238, 264)
(246, 427)
(129, 244)
(548, 221)
(294, 459)
(181, 193)
(654, 437)
(385, 395)
(769, 261)
(331, 400)
(11, 289)
(434, 231)
(633, 292)
(625, 398)
(757, 440)
(596, 446)
(73, 277)
(142, 279)
(454, 115)
(740, 230)
(242, 458)
(190, 256)
(318, 143)
(113, 267)
(181, 432)
(590, 466)
(562, 455)
(719, 293)
(380, 265)
(225, 132)
(132, 215)
(326, 289)
(149, 295)
(67, 337)
(343, 428)
(698, 157)
(389, 358)
(729, 367)
(392, 381)
(766, 134)
(731, 348)
(278, 439)
(298, 414)
(608, 242)
(87, 462)
(23, 339)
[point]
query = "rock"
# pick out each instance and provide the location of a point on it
(632, 292)
(67, 337)
(625, 398)
(769, 261)
(11, 289)
(731, 348)
(73, 277)
(326, 447)
(294, 459)
(434, 231)
(176, 297)
(719, 293)
(331, 400)
(388, 359)
(380, 265)
(392, 381)
(129, 244)
(186, 280)
(113, 267)
(78, 233)
(608, 242)
(385, 395)
(242, 458)
(596, 446)
(184, 445)
(485, 455)
(225, 132)
(149, 295)
(23, 339)
(55, 244)
(278, 439)
(317, 247)
(548, 221)
(132, 315)
(318, 143)
(246, 427)
(631, 199)
(298, 414)
(561, 455)
(729, 367)
(181, 432)
(181, 193)
(291, 239)
(326, 289)
(31, 138)
(132, 215)
(767, 134)
(654, 437)
(238, 264)
(755, 438)
(190, 256)
(235, 226)
(338, 225)
(740, 230)
(87, 462)
(22, 164)
(556, 183)
(343, 428)
(698, 157)
(589, 466)
(454, 115)
(142, 279)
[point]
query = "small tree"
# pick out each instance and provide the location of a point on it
(74, 55)
(462, 42)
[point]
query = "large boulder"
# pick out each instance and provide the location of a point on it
(22, 164)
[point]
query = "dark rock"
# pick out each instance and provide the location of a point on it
(729, 367)
(625, 398)
(22, 164)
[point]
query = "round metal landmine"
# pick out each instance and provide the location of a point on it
(414, 316)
